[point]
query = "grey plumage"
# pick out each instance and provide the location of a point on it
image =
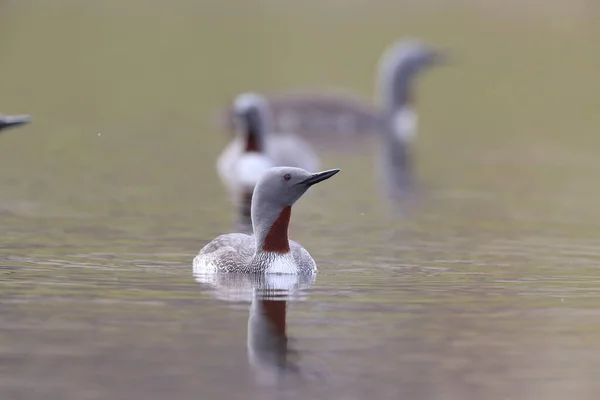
(236, 252)
(268, 249)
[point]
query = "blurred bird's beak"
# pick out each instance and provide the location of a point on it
(8, 121)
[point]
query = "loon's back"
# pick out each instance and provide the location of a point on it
(235, 252)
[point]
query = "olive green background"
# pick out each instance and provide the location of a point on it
(487, 289)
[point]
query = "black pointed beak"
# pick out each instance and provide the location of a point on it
(9, 121)
(319, 177)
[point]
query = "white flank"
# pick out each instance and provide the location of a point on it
(203, 265)
(404, 124)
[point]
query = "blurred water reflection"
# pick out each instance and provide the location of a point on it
(269, 351)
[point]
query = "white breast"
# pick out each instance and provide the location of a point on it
(284, 264)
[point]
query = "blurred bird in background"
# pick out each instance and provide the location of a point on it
(342, 118)
(256, 148)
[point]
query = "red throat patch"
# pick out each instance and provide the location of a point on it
(277, 239)
(251, 144)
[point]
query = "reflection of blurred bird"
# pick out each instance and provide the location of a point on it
(8, 121)
(340, 118)
(256, 149)
(268, 250)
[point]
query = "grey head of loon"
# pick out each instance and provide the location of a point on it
(398, 67)
(9, 121)
(275, 193)
(252, 118)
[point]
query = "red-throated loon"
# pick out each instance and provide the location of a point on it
(268, 249)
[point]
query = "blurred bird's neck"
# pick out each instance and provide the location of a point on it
(254, 140)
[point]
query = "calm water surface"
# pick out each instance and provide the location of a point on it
(485, 288)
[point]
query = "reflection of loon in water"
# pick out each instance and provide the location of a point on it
(269, 353)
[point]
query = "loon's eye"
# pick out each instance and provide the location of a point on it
(287, 177)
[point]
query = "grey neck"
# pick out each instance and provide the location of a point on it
(256, 128)
(395, 84)
(395, 163)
